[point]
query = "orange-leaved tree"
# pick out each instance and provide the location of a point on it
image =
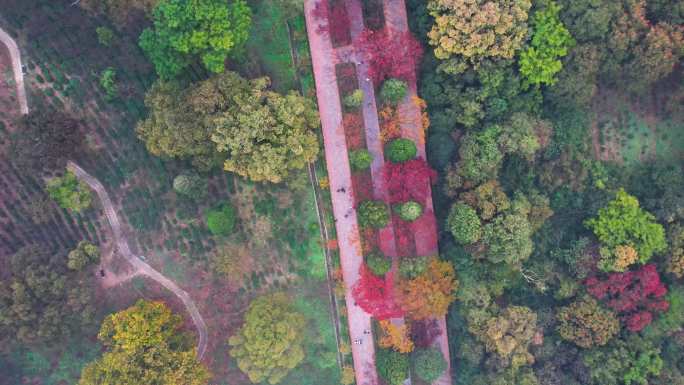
(429, 294)
(395, 337)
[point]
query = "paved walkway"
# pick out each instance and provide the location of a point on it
(339, 176)
(324, 58)
(140, 266)
(15, 56)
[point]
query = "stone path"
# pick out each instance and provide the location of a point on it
(15, 55)
(339, 176)
(140, 266)
(324, 58)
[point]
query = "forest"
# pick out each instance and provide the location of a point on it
(538, 143)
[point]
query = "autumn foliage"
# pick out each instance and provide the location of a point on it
(424, 332)
(337, 21)
(395, 337)
(375, 295)
(389, 55)
(429, 294)
(409, 180)
(634, 295)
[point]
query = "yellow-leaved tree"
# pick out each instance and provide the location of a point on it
(269, 343)
(429, 294)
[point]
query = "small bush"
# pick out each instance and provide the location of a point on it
(392, 366)
(69, 192)
(393, 91)
(105, 36)
(373, 214)
(378, 263)
(464, 224)
(428, 364)
(401, 150)
(410, 268)
(354, 99)
(108, 83)
(221, 219)
(360, 159)
(409, 211)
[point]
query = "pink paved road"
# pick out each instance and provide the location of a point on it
(324, 58)
(339, 175)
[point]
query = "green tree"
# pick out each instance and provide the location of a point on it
(519, 137)
(464, 224)
(630, 361)
(353, 100)
(586, 323)
(210, 29)
(373, 214)
(191, 185)
(378, 263)
(508, 239)
(145, 346)
(69, 192)
(266, 136)
(269, 343)
(480, 156)
(42, 300)
(84, 254)
(409, 211)
(428, 364)
(539, 63)
(478, 29)
(221, 219)
(108, 83)
(105, 36)
(392, 366)
(401, 150)
(360, 159)
(393, 91)
(622, 222)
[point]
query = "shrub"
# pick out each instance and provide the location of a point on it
(401, 150)
(190, 185)
(104, 35)
(69, 192)
(378, 263)
(354, 99)
(464, 224)
(409, 181)
(410, 268)
(360, 159)
(221, 219)
(428, 364)
(409, 211)
(393, 91)
(108, 83)
(392, 366)
(373, 214)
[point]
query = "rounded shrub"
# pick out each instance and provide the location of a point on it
(410, 268)
(464, 224)
(354, 99)
(190, 185)
(409, 211)
(401, 150)
(393, 91)
(378, 263)
(428, 364)
(360, 159)
(373, 214)
(221, 220)
(392, 366)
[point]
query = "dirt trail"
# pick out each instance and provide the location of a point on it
(6, 39)
(139, 264)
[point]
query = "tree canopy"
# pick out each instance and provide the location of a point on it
(210, 29)
(145, 346)
(69, 192)
(269, 343)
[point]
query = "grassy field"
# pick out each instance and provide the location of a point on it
(64, 61)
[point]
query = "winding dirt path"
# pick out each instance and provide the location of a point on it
(15, 55)
(139, 264)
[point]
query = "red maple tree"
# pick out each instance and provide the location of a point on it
(409, 180)
(634, 295)
(375, 295)
(390, 54)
